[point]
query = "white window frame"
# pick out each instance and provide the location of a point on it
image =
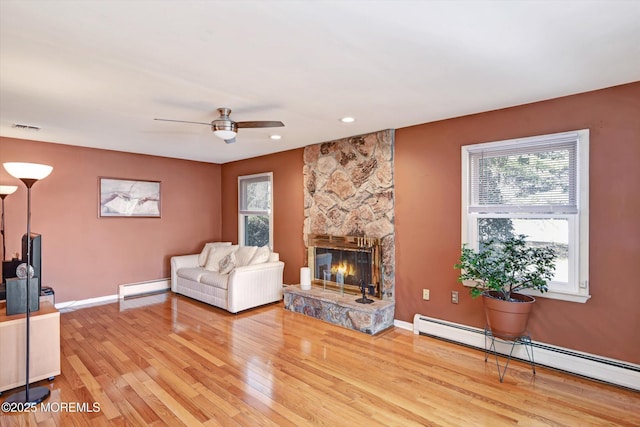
(243, 213)
(577, 290)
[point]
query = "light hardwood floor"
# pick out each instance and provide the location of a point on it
(175, 361)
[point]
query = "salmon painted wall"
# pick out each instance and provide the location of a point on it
(428, 211)
(288, 200)
(85, 256)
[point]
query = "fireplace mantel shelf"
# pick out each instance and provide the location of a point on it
(340, 309)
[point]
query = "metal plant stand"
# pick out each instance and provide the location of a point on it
(490, 347)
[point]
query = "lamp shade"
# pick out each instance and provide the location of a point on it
(5, 190)
(28, 170)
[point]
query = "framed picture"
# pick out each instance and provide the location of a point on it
(128, 198)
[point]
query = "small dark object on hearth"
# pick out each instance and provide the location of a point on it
(364, 299)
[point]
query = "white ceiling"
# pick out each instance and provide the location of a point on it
(96, 73)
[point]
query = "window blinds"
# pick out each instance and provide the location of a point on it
(255, 194)
(530, 176)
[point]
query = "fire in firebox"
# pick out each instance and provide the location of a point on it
(344, 263)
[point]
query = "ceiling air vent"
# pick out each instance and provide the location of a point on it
(26, 127)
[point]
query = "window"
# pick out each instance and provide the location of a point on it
(255, 222)
(538, 187)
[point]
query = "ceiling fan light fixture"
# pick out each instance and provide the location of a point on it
(224, 129)
(224, 134)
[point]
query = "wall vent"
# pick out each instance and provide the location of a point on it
(142, 288)
(26, 127)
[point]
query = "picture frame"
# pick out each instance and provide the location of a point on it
(132, 198)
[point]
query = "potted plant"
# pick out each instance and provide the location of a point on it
(498, 271)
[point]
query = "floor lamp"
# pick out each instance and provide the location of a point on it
(5, 190)
(29, 174)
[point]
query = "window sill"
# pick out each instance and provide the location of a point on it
(562, 296)
(581, 298)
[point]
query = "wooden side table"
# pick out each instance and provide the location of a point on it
(45, 346)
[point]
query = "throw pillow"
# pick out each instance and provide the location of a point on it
(244, 255)
(261, 255)
(202, 259)
(227, 263)
(215, 256)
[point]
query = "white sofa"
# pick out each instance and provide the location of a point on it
(230, 277)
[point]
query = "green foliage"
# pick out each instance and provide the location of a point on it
(494, 228)
(507, 266)
(256, 230)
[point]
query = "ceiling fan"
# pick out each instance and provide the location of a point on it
(225, 128)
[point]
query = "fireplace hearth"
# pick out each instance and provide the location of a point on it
(345, 263)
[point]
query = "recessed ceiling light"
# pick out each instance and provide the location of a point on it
(275, 137)
(347, 120)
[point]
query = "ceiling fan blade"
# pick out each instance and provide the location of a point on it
(230, 141)
(182, 121)
(259, 124)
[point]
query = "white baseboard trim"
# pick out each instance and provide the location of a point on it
(127, 290)
(140, 288)
(584, 364)
(90, 301)
(403, 325)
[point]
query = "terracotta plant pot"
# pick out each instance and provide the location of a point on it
(507, 319)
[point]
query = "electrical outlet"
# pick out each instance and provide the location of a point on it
(454, 297)
(425, 294)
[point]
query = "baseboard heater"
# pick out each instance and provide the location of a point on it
(584, 364)
(143, 288)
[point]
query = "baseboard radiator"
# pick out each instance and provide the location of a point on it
(143, 288)
(584, 364)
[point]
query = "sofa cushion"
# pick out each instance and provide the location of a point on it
(191, 273)
(215, 279)
(216, 255)
(261, 255)
(227, 263)
(244, 255)
(202, 258)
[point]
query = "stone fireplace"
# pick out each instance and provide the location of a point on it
(349, 232)
(349, 191)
